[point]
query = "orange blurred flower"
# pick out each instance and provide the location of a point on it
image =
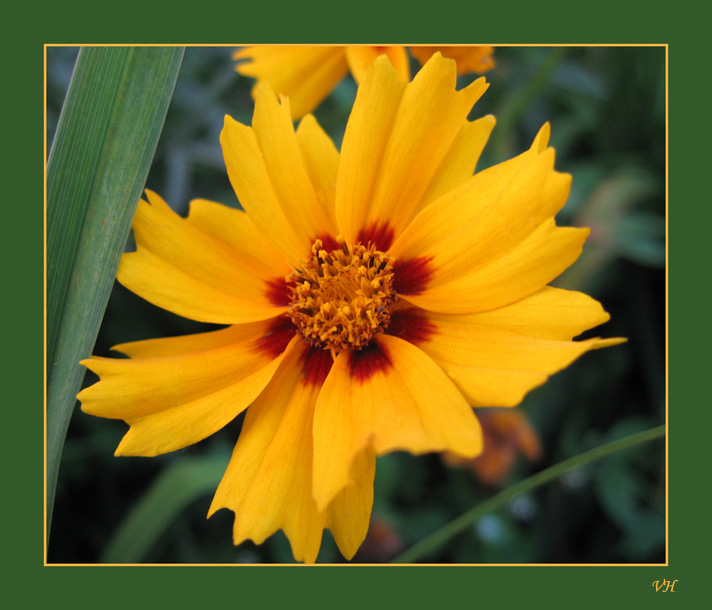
(507, 433)
(382, 543)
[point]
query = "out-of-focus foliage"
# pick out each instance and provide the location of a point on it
(606, 106)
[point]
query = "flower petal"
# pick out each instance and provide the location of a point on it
(460, 162)
(390, 396)
(366, 136)
(234, 228)
(201, 342)
(174, 398)
(268, 173)
(288, 172)
(486, 216)
(516, 274)
(360, 59)
(273, 460)
(551, 313)
(349, 513)
(305, 74)
(471, 58)
(321, 160)
(197, 274)
(393, 161)
(491, 365)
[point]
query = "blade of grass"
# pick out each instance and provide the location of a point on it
(105, 142)
(444, 534)
(173, 490)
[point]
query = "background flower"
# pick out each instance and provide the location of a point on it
(507, 434)
(617, 158)
(307, 74)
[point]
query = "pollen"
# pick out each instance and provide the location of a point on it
(342, 298)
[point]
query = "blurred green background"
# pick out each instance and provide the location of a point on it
(606, 106)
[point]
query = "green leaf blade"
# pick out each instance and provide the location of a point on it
(72, 165)
(180, 484)
(467, 519)
(105, 142)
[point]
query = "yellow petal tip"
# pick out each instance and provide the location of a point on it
(600, 343)
(541, 141)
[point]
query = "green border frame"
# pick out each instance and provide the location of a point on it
(425, 586)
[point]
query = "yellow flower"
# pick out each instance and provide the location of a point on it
(306, 74)
(372, 297)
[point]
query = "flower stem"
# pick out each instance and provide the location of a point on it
(441, 536)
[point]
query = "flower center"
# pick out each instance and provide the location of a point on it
(340, 299)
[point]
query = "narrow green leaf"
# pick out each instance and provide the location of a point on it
(441, 536)
(105, 142)
(174, 489)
